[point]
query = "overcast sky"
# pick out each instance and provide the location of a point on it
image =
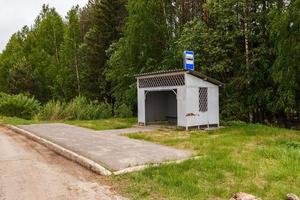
(14, 14)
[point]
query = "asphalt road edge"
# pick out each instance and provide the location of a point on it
(83, 161)
(86, 162)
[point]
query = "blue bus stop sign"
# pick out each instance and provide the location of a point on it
(188, 60)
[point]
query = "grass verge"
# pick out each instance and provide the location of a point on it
(103, 124)
(257, 159)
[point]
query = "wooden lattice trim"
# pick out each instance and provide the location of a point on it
(162, 81)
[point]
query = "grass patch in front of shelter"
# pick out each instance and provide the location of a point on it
(102, 124)
(105, 124)
(257, 159)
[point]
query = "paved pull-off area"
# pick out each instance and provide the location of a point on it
(29, 171)
(112, 151)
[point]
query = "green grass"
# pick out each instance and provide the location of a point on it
(103, 124)
(16, 121)
(256, 159)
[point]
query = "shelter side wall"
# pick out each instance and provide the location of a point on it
(193, 116)
(181, 106)
(213, 105)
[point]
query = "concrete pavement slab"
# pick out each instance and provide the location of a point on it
(107, 148)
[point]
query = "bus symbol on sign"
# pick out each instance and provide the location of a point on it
(188, 61)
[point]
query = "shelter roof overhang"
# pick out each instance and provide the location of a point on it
(173, 71)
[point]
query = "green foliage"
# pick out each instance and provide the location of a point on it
(106, 18)
(251, 46)
(53, 110)
(15, 68)
(213, 57)
(123, 111)
(293, 145)
(78, 109)
(285, 32)
(18, 106)
(104, 110)
(140, 50)
(70, 72)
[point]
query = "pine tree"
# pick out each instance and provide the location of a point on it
(106, 19)
(140, 50)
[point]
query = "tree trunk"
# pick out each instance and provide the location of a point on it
(77, 75)
(77, 70)
(56, 46)
(182, 16)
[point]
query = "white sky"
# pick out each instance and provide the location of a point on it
(14, 14)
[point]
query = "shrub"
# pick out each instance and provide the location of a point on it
(78, 109)
(19, 105)
(53, 110)
(82, 109)
(123, 111)
(104, 110)
(231, 122)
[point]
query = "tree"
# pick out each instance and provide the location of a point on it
(31, 61)
(15, 69)
(140, 50)
(106, 21)
(49, 35)
(285, 32)
(71, 60)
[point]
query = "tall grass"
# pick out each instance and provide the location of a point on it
(78, 109)
(18, 106)
(123, 111)
(53, 110)
(82, 109)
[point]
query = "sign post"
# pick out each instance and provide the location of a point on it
(188, 60)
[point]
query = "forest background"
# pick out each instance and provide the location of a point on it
(92, 54)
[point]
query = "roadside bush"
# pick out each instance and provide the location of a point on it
(53, 110)
(231, 123)
(123, 111)
(19, 105)
(78, 109)
(104, 111)
(82, 109)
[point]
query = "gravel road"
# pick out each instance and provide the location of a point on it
(29, 171)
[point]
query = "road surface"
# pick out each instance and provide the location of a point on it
(29, 171)
(107, 148)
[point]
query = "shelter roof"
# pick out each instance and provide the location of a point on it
(194, 73)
